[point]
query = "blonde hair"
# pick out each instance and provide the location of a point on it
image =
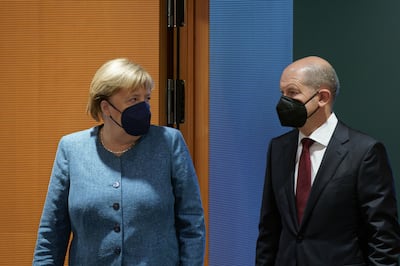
(113, 76)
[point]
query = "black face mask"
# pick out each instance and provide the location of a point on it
(293, 113)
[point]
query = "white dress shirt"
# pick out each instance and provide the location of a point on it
(321, 136)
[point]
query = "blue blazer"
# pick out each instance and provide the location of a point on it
(142, 208)
(351, 214)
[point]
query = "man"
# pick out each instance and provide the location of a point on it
(334, 205)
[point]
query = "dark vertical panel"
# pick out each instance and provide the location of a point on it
(361, 39)
(250, 43)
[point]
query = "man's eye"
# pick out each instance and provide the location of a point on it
(292, 93)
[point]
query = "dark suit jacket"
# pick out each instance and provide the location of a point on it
(350, 217)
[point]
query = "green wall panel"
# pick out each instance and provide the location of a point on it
(362, 41)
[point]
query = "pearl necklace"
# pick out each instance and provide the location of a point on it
(115, 152)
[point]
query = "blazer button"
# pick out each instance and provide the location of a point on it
(299, 238)
(116, 184)
(117, 228)
(117, 250)
(116, 206)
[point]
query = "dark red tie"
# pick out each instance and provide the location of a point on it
(303, 178)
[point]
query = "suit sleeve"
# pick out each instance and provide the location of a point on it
(378, 207)
(270, 222)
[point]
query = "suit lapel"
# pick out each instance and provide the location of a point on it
(334, 155)
(289, 155)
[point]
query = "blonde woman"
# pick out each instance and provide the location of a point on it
(125, 191)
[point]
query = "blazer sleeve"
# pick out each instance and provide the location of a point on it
(189, 216)
(54, 227)
(378, 207)
(270, 222)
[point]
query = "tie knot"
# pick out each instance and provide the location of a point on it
(307, 142)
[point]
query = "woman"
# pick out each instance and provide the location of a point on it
(126, 190)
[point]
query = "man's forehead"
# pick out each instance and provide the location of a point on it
(293, 75)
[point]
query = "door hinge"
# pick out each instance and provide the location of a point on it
(176, 13)
(175, 102)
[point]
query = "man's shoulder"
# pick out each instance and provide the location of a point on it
(289, 135)
(353, 133)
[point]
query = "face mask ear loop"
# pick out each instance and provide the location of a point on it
(310, 100)
(115, 121)
(312, 97)
(110, 116)
(112, 105)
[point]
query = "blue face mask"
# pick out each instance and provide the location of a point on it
(135, 119)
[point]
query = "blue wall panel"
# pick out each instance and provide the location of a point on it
(250, 44)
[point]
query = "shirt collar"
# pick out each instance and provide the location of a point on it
(324, 133)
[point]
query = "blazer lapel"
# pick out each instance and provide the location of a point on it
(334, 155)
